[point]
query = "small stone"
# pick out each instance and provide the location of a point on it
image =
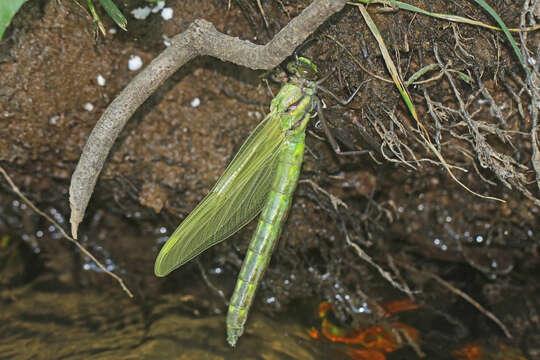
(167, 13)
(101, 80)
(160, 5)
(195, 102)
(135, 63)
(141, 13)
(88, 106)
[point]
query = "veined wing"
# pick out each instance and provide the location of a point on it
(235, 200)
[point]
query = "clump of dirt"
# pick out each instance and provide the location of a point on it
(402, 207)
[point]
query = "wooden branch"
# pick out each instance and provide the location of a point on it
(201, 38)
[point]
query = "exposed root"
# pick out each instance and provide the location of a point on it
(336, 202)
(532, 86)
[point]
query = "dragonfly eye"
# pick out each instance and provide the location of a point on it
(303, 68)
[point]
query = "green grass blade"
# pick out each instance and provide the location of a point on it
(419, 73)
(462, 75)
(449, 17)
(114, 13)
(8, 9)
(388, 61)
(96, 18)
(460, 19)
(504, 28)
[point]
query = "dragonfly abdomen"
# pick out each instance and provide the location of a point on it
(271, 220)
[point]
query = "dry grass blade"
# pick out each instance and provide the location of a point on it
(261, 9)
(401, 88)
(449, 17)
(460, 19)
(388, 61)
(360, 65)
(51, 220)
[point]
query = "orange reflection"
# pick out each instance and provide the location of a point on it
(398, 306)
(479, 352)
(365, 354)
(469, 352)
(375, 340)
(314, 333)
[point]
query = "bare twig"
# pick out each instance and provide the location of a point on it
(336, 202)
(59, 227)
(460, 293)
(210, 285)
(385, 274)
(201, 38)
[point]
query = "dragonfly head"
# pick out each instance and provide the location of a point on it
(303, 68)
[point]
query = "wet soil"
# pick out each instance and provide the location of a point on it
(401, 208)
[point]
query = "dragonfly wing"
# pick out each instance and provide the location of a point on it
(236, 199)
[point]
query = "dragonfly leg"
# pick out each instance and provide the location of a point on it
(331, 138)
(335, 97)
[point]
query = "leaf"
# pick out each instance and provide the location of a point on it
(114, 13)
(8, 9)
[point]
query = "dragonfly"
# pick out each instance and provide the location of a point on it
(261, 178)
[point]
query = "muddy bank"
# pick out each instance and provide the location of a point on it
(402, 206)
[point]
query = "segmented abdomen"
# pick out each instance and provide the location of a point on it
(271, 220)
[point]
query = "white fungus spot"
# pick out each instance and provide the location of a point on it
(135, 63)
(88, 106)
(167, 13)
(141, 13)
(195, 102)
(112, 31)
(160, 5)
(54, 119)
(100, 80)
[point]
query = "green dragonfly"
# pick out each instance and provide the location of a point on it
(261, 179)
